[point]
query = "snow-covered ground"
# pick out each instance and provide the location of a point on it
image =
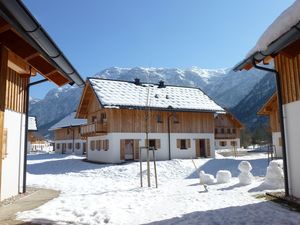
(111, 194)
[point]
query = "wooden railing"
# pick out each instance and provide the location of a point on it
(225, 136)
(93, 128)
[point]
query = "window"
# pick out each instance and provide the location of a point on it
(94, 119)
(103, 117)
(99, 145)
(222, 131)
(105, 145)
(216, 130)
(154, 143)
(57, 146)
(228, 130)
(78, 145)
(158, 118)
(233, 130)
(70, 145)
(280, 141)
(92, 143)
(223, 143)
(233, 143)
(183, 144)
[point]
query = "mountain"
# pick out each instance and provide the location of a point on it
(246, 110)
(226, 87)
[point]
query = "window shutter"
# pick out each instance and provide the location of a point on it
(157, 143)
(178, 143)
(136, 149)
(188, 143)
(207, 143)
(122, 149)
(4, 149)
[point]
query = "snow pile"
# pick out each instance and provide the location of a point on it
(274, 176)
(245, 176)
(223, 176)
(282, 24)
(206, 178)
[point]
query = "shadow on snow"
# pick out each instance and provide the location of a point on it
(267, 213)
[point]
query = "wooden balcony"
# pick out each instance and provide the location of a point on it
(93, 129)
(225, 136)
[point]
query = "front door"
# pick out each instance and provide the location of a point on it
(202, 147)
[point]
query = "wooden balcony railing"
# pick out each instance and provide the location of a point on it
(93, 129)
(225, 136)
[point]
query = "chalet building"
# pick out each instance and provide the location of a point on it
(270, 109)
(25, 50)
(227, 131)
(281, 42)
(67, 137)
(36, 142)
(178, 120)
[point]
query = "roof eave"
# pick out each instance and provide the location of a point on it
(273, 48)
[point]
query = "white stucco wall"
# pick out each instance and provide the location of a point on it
(228, 143)
(275, 140)
(70, 151)
(292, 125)
(113, 153)
(12, 164)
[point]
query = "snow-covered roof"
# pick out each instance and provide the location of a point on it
(68, 121)
(288, 18)
(124, 94)
(32, 125)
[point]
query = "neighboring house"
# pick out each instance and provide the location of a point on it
(281, 42)
(227, 131)
(36, 142)
(179, 120)
(25, 50)
(67, 138)
(270, 109)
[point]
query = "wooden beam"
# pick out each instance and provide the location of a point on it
(19, 65)
(267, 60)
(3, 75)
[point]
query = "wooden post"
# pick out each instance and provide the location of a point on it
(155, 172)
(3, 78)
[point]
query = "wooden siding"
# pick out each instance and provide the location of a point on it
(133, 121)
(3, 77)
(15, 91)
(67, 133)
(289, 71)
(224, 123)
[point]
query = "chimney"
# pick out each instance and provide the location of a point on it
(137, 81)
(161, 84)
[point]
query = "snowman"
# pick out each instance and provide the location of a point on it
(245, 176)
(274, 176)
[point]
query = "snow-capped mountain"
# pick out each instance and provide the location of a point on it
(226, 87)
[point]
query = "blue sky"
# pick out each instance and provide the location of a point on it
(97, 34)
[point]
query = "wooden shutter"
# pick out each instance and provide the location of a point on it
(4, 148)
(197, 142)
(188, 143)
(178, 143)
(136, 149)
(207, 147)
(157, 143)
(122, 149)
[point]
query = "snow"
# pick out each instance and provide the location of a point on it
(245, 176)
(112, 93)
(110, 194)
(274, 176)
(223, 176)
(32, 126)
(68, 121)
(281, 25)
(206, 178)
